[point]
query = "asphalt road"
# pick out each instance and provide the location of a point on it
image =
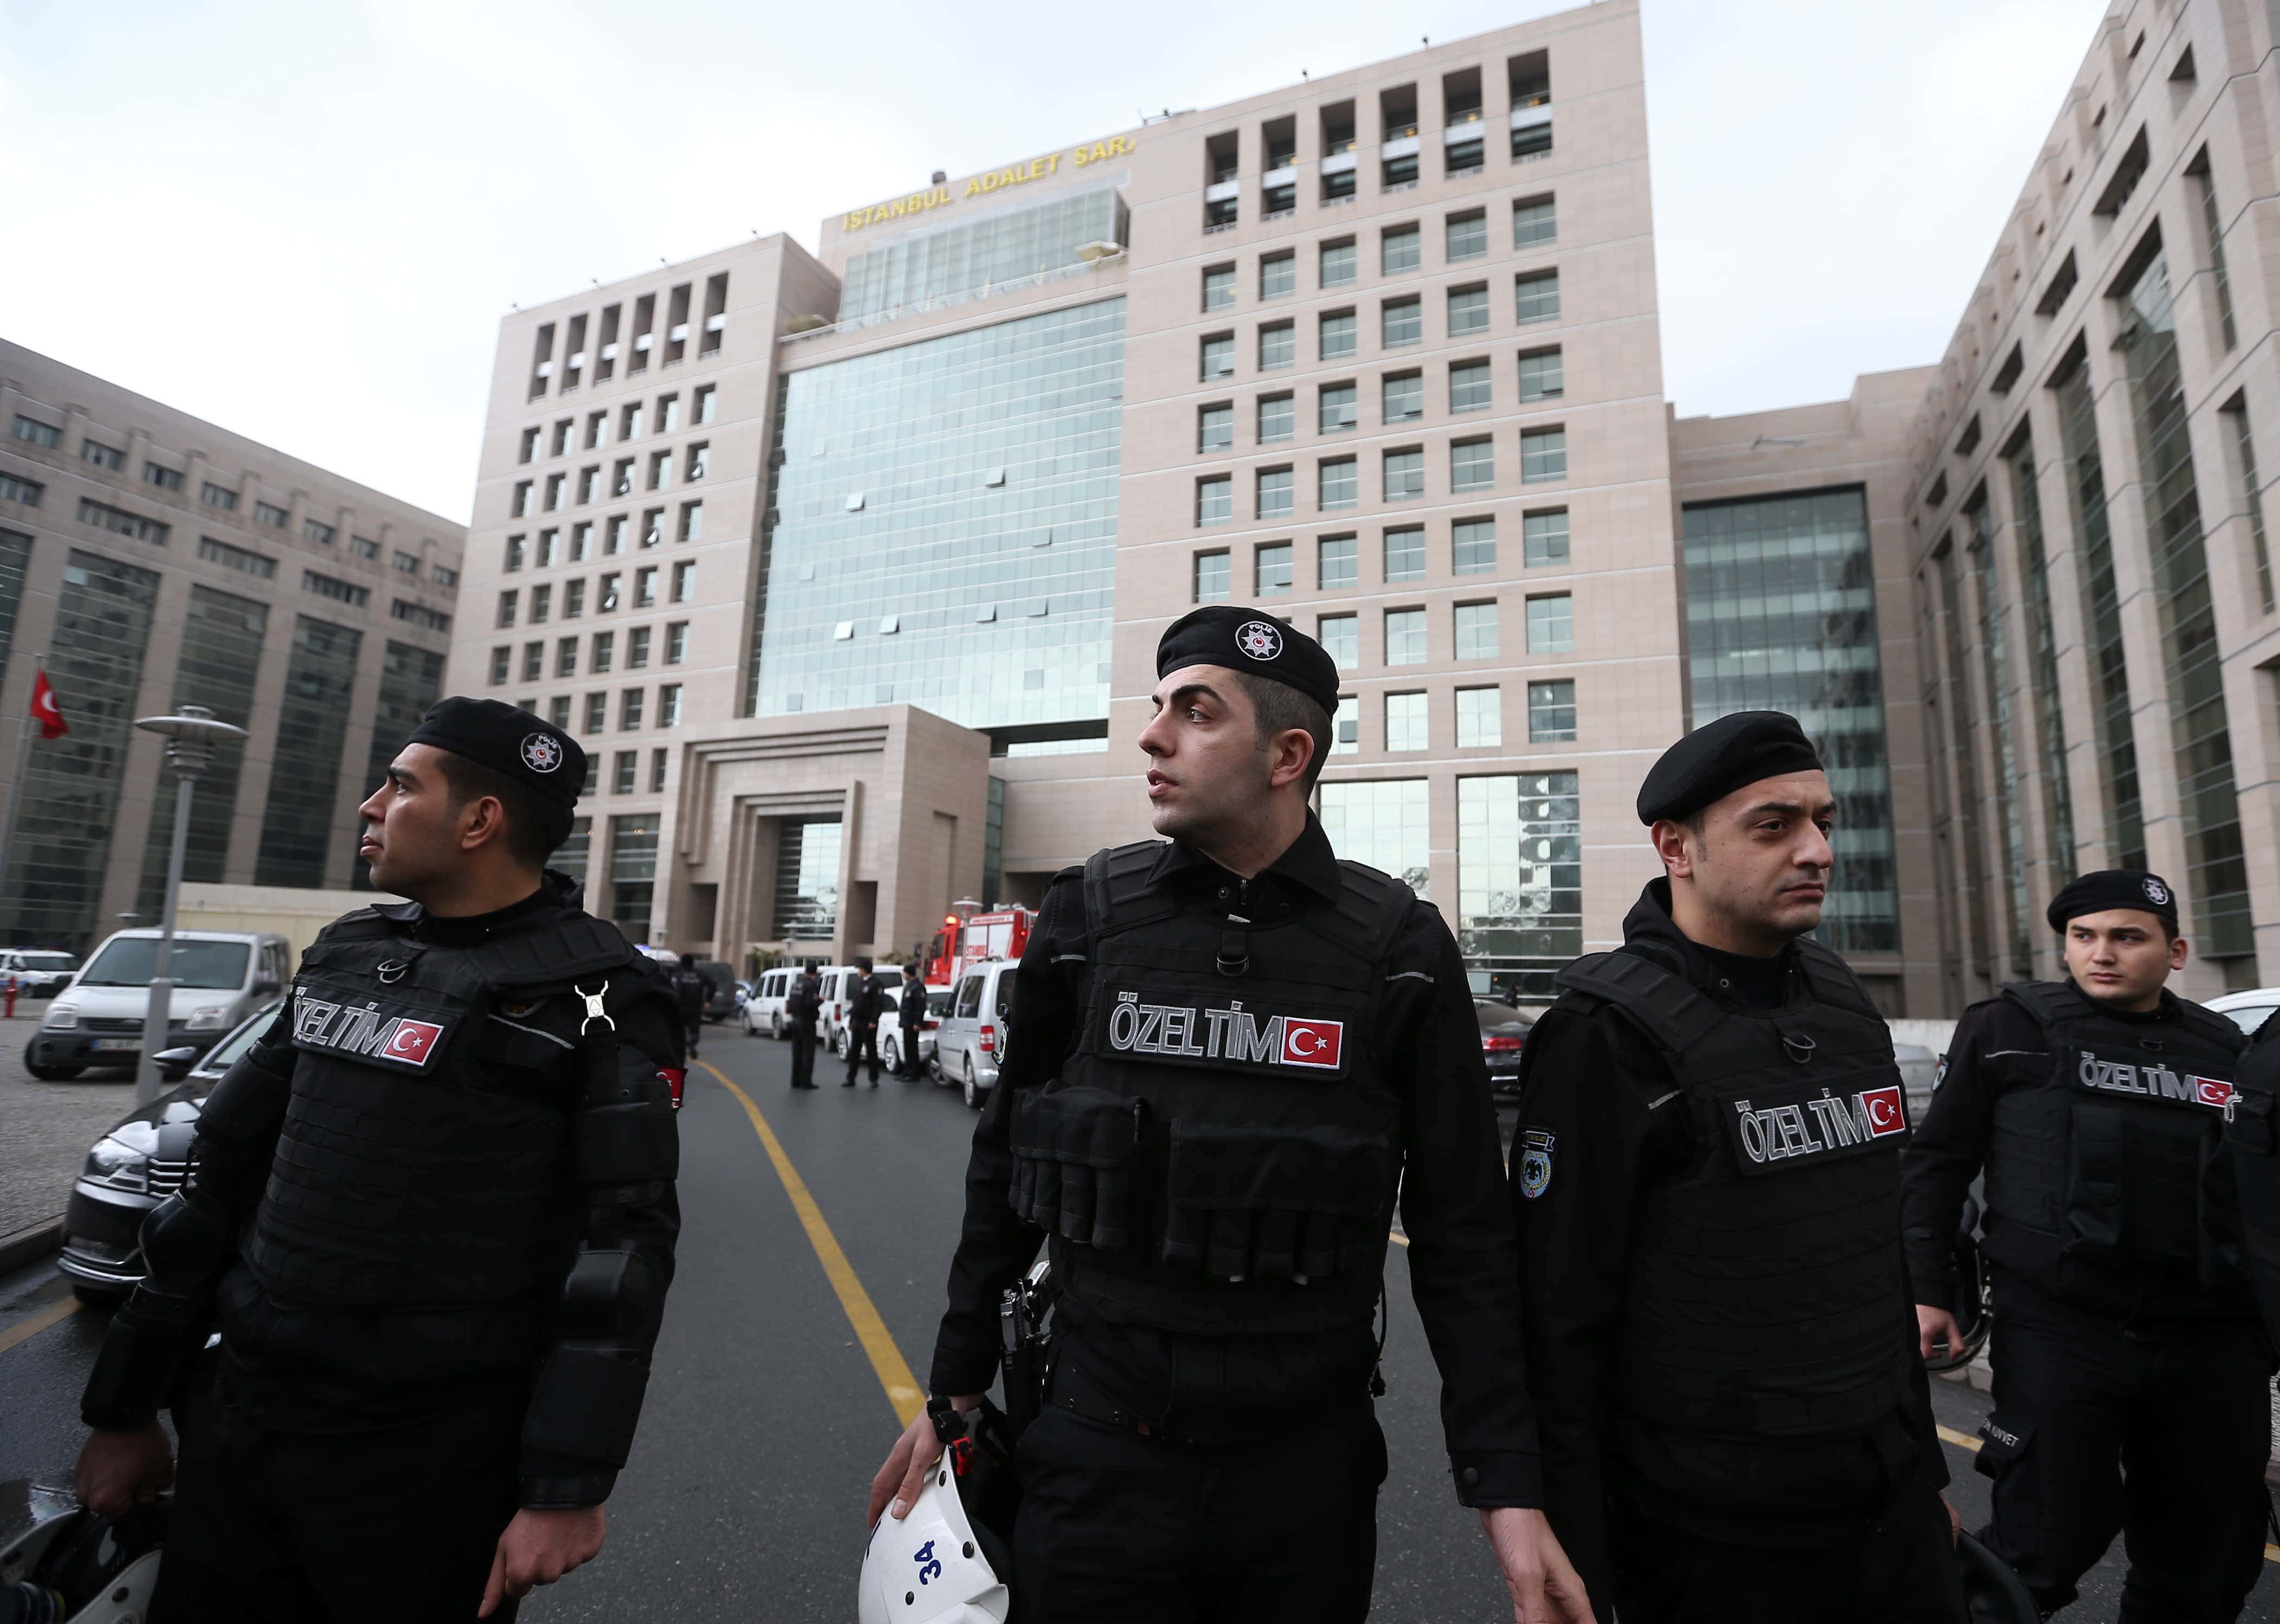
(767, 1414)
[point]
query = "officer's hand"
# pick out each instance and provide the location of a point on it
(1545, 1585)
(120, 1470)
(909, 1463)
(1935, 1325)
(539, 1547)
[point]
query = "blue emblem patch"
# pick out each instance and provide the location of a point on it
(1536, 1147)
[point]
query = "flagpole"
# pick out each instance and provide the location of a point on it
(23, 765)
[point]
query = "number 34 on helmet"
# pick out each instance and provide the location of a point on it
(928, 1567)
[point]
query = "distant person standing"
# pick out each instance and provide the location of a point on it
(802, 1006)
(912, 1015)
(863, 1010)
(690, 992)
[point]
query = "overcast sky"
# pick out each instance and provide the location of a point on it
(303, 222)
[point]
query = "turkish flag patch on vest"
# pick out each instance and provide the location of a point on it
(1773, 1130)
(367, 1029)
(1242, 1033)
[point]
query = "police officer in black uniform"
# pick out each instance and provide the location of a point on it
(1230, 1050)
(2126, 1340)
(802, 1005)
(863, 1010)
(690, 991)
(912, 1014)
(1735, 1421)
(432, 1214)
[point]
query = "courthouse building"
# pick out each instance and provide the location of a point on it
(848, 567)
(157, 561)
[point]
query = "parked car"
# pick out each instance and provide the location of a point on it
(838, 995)
(220, 978)
(1504, 1035)
(891, 1025)
(969, 1044)
(766, 1006)
(39, 972)
(138, 1163)
(720, 985)
(2247, 1010)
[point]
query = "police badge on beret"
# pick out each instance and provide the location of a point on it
(1259, 639)
(1537, 1146)
(2156, 892)
(541, 753)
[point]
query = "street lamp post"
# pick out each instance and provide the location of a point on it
(191, 734)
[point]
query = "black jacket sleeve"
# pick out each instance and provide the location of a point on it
(590, 1381)
(995, 1247)
(1944, 1154)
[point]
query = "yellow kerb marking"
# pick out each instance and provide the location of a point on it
(32, 1325)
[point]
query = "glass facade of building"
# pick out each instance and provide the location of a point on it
(1386, 824)
(959, 262)
(299, 825)
(808, 879)
(633, 874)
(411, 680)
(1519, 880)
(221, 655)
(945, 527)
(54, 882)
(2101, 614)
(2043, 660)
(15, 558)
(1995, 676)
(1781, 616)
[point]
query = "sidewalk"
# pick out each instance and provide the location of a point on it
(46, 1128)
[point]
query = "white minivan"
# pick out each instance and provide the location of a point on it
(766, 1006)
(970, 1044)
(221, 977)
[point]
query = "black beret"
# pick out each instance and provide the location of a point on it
(511, 743)
(1250, 641)
(1719, 757)
(2113, 887)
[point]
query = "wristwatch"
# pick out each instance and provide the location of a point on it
(949, 1425)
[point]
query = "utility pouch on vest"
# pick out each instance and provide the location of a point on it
(2134, 1178)
(2252, 1125)
(1270, 1202)
(1074, 1150)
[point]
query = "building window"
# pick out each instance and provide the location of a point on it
(2213, 227)
(604, 649)
(629, 709)
(574, 599)
(1404, 322)
(668, 705)
(656, 761)
(638, 648)
(1546, 537)
(613, 535)
(1476, 631)
(241, 559)
(119, 521)
(1386, 823)
(101, 454)
(33, 432)
(364, 547)
(542, 602)
(319, 531)
(1537, 296)
(1218, 287)
(1336, 562)
(1271, 576)
(1219, 357)
(676, 643)
(218, 496)
(808, 879)
(1532, 141)
(1278, 274)
(1345, 730)
(622, 477)
(1404, 475)
(692, 522)
(582, 541)
(444, 574)
(2252, 494)
(1520, 879)
(519, 507)
(598, 427)
(605, 597)
(1470, 388)
(1551, 713)
(403, 563)
(1468, 235)
(1404, 397)
(566, 659)
(1401, 249)
(597, 712)
(502, 665)
(628, 761)
(700, 462)
(1339, 410)
(661, 473)
(1472, 546)
(550, 549)
(1404, 553)
(1542, 454)
(1215, 577)
(1340, 635)
(1214, 428)
(529, 449)
(1338, 335)
(269, 514)
(1404, 636)
(684, 582)
(1469, 311)
(513, 561)
(1339, 263)
(668, 414)
(701, 402)
(162, 476)
(1405, 726)
(590, 484)
(1215, 499)
(1541, 376)
(1275, 493)
(340, 591)
(1338, 484)
(644, 587)
(1479, 717)
(1278, 418)
(629, 422)
(419, 615)
(1551, 624)
(506, 603)
(557, 712)
(1278, 345)
(1472, 464)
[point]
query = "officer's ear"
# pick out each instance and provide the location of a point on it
(2178, 952)
(483, 822)
(1289, 755)
(1678, 845)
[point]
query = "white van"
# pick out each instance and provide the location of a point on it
(970, 1044)
(221, 977)
(766, 1006)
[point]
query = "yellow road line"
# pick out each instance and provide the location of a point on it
(903, 1391)
(31, 1325)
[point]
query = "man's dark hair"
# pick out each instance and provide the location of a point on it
(863, 965)
(533, 828)
(1281, 707)
(911, 968)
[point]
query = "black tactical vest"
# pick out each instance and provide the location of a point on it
(1219, 1155)
(1766, 1293)
(2111, 1156)
(424, 1160)
(2251, 1134)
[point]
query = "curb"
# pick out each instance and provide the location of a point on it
(31, 1243)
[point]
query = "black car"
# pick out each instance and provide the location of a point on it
(137, 1164)
(1504, 1035)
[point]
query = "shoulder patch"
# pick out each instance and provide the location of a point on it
(1537, 1146)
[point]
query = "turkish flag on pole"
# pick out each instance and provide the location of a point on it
(45, 711)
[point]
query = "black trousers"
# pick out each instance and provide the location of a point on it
(377, 1528)
(1116, 1528)
(803, 1053)
(862, 1037)
(2097, 1432)
(910, 1052)
(692, 1029)
(1901, 1571)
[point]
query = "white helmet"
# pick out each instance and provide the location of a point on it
(928, 1567)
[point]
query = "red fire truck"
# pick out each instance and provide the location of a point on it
(974, 938)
